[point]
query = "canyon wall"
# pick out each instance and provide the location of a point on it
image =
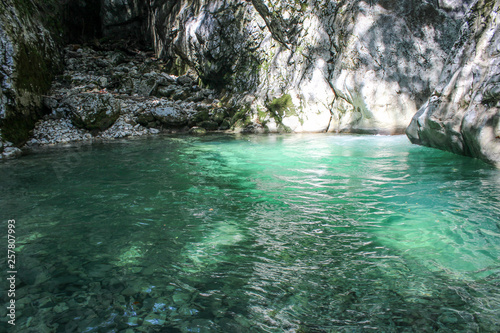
(30, 47)
(463, 113)
(362, 66)
(342, 66)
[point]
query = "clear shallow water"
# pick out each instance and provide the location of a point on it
(302, 233)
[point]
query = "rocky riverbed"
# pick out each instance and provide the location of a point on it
(115, 94)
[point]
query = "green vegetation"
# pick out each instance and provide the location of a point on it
(241, 117)
(281, 107)
(262, 115)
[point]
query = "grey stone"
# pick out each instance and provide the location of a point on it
(29, 58)
(181, 94)
(347, 66)
(11, 152)
(169, 115)
(225, 125)
(154, 319)
(154, 131)
(167, 91)
(116, 58)
(197, 131)
(122, 18)
(463, 114)
(93, 111)
(185, 80)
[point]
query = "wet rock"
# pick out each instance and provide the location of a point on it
(188, 311)
(197, 131)
(59, 308)
(463, 114)
(93, 111)
(132, 321)
(225, 125)
(219, 115)
(154, 131)
(254, 129)
(11, 152)
(209, 125)
(30, 55)
(181, 297)
(448, 318)
(154, 319)
(199, 325)
(185, 80)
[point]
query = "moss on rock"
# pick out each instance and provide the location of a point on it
(281, 107)
(31, 36)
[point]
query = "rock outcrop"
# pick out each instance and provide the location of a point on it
(311, 65)
(29, 58)
(110, 94)
(463, 113)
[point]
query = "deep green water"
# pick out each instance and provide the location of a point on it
(302, 233)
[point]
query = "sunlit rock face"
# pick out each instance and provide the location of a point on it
(462, 115)
(311, 65)
(388, 60)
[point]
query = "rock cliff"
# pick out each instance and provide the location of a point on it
(313, 65)
(463, 113)
(29, 58)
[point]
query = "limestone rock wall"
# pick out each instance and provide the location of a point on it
(313, 65)
(29, 57)
(387, 59)
(463, 113)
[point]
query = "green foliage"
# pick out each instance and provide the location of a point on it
(241, 117)
(282, 106)
(262, 115)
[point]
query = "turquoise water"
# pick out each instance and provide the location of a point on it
(299, 233)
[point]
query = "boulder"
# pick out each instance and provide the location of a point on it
(197, 131)
(11, 152)
(93, 111)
